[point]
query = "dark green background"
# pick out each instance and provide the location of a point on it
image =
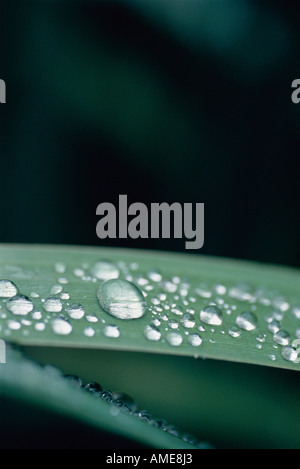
(163, 101)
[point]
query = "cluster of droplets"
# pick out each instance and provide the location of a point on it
(121, 402)
(171, 310)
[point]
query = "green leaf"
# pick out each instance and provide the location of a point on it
(188, 284)
(223, 401)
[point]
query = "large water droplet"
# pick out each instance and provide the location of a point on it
(152, 333)
(211, 315)
(104, 270)
(19, 304)
(247, 321)
(52, 305)
(61, 326)
(121, 299)
(7, 289)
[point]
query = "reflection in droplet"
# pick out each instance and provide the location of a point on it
(7, 289)
(211, 315)
(121, 299)
(19, 305)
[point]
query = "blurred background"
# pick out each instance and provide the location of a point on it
(163, 100)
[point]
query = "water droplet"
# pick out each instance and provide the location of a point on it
(52, 305)
(75, 311)
(280, 303)
(19, 304)
(56, 289)
(40, 326)
(173, 324)
(247, 321)
(261, 338)
(91, 318)
(13, 325)
(36, 315)
(169, 286)
(211, 315)
(298, 333)
(111, 331)
(274, 326)
(220, 289)
(289, 353)
(174, 339)
(272, 357)
(195, 340)
(60, 268)
(61, 326)
(234, 331)
(154, 275)
(152, 333)
(89, 332)
(203, 290)
(282, 337)
(78, 272)
(296, 311)
(7, 289)
(105, 270)
(188, 320)
(121, 299)
(241, 291)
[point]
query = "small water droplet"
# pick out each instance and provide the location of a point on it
(56, 289)
(203, 290)
(7, 289)
(188, 320)
(152, 333)
(296, 311)
(52, 305)
(282, 337)
(111, 331)
(61, 326)
(121, 299)
(40, 326)
(168, 286)
(89, 332)
(105, 270)
(241, 291)
(19, 304)
(91, 318)
(173, 324)
(75, 311)
(13, 325)
(234, 331)
(36, 315)
(211, 315)
(195, 340)
(289, 353)
(174, 339)
(272, 357)
(247, 321)
(60, 267)
(261, 338)
(154, 275)
(274, 326)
